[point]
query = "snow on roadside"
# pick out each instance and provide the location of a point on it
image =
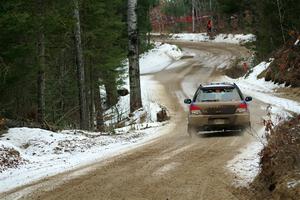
(44, 153)
(246, 164)
(121, 110)
(159, 57)
(224, 38)
(48, 153)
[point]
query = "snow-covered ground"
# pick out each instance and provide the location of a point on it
(246, 164)
(47, 153)
(157, 59)
(224, 38)
(39, 153)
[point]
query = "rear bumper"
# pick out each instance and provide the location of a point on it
(238, 120)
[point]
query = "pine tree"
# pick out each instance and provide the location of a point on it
(84, 121)
(40, 7)
(274, 19)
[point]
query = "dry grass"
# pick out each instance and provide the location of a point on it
(286, 66)
(9, 158)
(280, 164)
(235, 70)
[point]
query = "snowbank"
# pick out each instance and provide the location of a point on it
(159, 58)
(45, 153)
(121, 110)
(225, 38)
(246, 164)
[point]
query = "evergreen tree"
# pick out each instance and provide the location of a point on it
(105, 49)
(37, 42)
(83, 106)
(274, 20)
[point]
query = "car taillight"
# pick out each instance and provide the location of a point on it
(243, 107)
(195, 110)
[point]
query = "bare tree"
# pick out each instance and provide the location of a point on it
(133, 57)
(98, 109)
(83, 106)
(41, 64)
(279, 7)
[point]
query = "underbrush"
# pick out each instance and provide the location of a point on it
(9, 158)
(286, 66)
(239, 67)
(279, 177)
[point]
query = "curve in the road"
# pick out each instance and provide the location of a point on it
(175, 166)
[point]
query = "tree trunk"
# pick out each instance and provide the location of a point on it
(133, 57)
(41, 65)
(111, 92)
(99, 110)
(83, 107)
(62, 69)
(92, 101)
(280, 20)
(193, 16)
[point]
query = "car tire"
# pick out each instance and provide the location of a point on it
(247, 127)
(191, 130)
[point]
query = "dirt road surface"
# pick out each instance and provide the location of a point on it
(173, 166)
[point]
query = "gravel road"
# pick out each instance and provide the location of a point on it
(173, 166)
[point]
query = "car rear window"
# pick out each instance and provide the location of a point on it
(218, 94)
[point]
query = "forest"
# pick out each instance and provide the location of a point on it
(54, 55)
(272, 21)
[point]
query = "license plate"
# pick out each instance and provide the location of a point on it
(219, 121)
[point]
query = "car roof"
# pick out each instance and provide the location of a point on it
(213, 85)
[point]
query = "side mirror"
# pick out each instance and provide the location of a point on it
(187, 101)
(247, 99)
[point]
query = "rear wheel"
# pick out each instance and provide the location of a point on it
(245, 128)
(191, 130)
